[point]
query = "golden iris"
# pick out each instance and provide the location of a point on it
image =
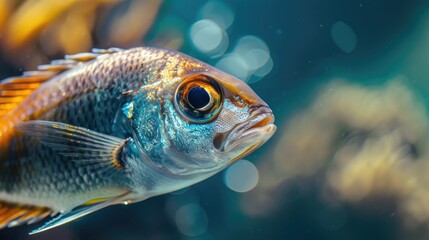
(199, 98)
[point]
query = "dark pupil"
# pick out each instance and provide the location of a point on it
(198, 97)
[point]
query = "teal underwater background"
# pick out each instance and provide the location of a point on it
(348, 82)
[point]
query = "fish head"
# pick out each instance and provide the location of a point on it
(202, 121)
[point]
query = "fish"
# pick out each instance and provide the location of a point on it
(118, 126)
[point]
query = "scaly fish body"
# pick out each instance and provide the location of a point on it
(124, 126)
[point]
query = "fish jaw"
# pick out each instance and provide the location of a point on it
(247, 136)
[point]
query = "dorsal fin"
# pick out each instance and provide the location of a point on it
(12, 215)
(14, 90)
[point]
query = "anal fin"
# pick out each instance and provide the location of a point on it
(79, 212)
(12, 215)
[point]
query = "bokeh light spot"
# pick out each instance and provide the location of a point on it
(242, 176)
(208, 37)
(249, 42)
(256, 58)
(234, 65)
(218, 12)
(264, 70)
(191, 220)
(344, 36)
(255, 54)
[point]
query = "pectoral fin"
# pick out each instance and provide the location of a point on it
(78, 144)
(79, 212)
(83, 146)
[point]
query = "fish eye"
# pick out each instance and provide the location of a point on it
(198, 99)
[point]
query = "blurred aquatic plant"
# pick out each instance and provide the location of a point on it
(361, 143)
(33, 31)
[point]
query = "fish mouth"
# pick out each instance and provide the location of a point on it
(251, 133)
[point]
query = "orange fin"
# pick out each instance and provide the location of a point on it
(14, 90)
(12, 215)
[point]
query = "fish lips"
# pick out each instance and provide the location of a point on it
(248, 135)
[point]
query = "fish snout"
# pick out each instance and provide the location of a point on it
(254, 131)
